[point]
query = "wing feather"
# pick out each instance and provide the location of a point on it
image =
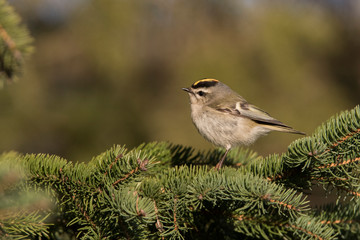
(242, 108)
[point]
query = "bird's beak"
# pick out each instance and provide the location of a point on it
(187, 90)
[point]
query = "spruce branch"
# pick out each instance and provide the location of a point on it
(25, 224)
(330, 156)
(160, 190)
(304, 227)
(15, 44)
(311, 228)
(344, 218)
(23, 210)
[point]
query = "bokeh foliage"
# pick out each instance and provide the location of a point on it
(15, 44)
(108, 72)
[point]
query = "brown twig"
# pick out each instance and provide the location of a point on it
(303, 230)
(117, 158)
(339, 163)
(84, 213)
(341, 140)
(10, 43)
(159, 226)
(175, 220)
(337, 222)
(244, 218)
(141, 166)
(126, 176)
(141, 212)
(267, 197)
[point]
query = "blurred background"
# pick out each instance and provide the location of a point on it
(111, 72)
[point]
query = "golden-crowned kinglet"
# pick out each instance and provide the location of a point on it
(226, 119)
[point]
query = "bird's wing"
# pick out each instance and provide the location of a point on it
(241, 108)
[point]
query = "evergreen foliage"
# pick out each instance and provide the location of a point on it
(15, 44)
(165, 191)
(21, 206)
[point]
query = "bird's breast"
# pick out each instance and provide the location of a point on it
(222, 129)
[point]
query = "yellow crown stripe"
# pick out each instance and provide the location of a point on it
(205, 80)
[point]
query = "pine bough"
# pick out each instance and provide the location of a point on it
(165, 191)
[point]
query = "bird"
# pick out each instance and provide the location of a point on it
(226, 119)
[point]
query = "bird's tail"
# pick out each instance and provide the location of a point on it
(284, 128)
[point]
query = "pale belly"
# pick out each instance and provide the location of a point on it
(227, 130)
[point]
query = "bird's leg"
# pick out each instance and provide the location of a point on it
(220, 163)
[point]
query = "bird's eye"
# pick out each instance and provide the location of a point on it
(201, 93)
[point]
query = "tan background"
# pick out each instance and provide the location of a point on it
(111, 72)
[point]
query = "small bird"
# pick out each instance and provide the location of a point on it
(226, 119)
